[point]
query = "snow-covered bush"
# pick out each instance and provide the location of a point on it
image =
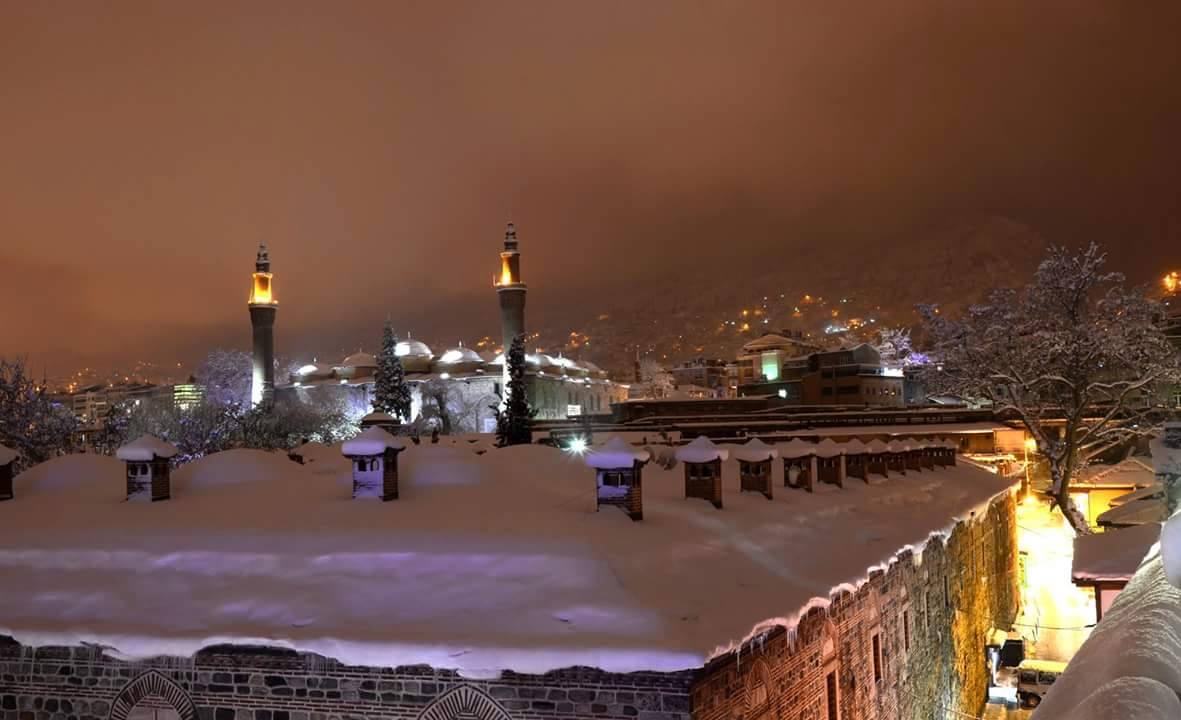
(30, 422)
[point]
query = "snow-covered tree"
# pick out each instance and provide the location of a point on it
(391, 393)
(514, 423)
(437, 405)
(1075, 356)
(30, 421)
(656, 382)
(226, 376)
(895, 347)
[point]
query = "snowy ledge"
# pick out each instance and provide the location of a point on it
(1130, 666)
(792, 621)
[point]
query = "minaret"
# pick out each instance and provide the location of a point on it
(510, 290)
(262, 320)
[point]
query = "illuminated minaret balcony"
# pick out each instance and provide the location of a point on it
(510, 262)
(262, 291)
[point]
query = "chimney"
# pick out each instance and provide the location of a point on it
(8, 458)
(619, 476)
(703, 469)
(148, 469)
(877, 460)
(799, 464)
(375, 464)
(830, 461)
(754, 466)
(857, 460)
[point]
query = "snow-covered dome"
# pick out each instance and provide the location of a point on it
(359, 360)
(412, 348)
(461, 356)
(371, 441)
(314, 370)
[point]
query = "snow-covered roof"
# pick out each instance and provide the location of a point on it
(701, 450)
(7, 455)
(145, 448)
(484, 563)
(877, 446)
(359, 360)
(1131, 471)
(315, 370)
(379, 417)
(372, 441)
(1136, 512)
(1153, 491)
(753, 450)
(1113, 555)
(897, 446)
(615, 454)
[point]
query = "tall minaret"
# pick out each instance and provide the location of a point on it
(262, 320)
(510, 290)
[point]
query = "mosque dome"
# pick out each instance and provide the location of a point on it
(461, 356)
(412, 348)
(359, 360)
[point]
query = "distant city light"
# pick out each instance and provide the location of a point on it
(1171, 281)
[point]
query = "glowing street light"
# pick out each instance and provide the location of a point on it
(577, 446)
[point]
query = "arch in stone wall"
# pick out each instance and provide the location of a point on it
(465, 702)
(152, 683)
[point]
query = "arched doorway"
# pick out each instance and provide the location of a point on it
(152, 696)
(464, 703)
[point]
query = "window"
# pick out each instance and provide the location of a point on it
(830, 682)
(613, 478)
(906, 630)
(877, 658)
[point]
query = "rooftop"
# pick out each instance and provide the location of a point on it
(486, 562)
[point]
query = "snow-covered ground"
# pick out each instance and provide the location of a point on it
(486, 562)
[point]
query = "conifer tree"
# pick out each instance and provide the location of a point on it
(514, 424)
(391, 394)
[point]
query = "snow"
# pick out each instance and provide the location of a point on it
(379, 417)
(877, 447)
(144, 448)
(1130, 666)
(855, 447)
(1136, 512)
(754, 450)
(371, 441)
(7, 455)
(1170, 550)
(1113, 555)
(616, 454)
(796, 448)
(1152, 491)
(826, 448)
(701, 450)
(485, 562)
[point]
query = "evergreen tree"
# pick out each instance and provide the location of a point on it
(514, 424)
(391, 394)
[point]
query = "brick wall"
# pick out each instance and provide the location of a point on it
(704, 480)
(931, 645)
(82, 684)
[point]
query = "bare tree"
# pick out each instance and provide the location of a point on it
(656, 381)
(1075, 356)
(29, 420)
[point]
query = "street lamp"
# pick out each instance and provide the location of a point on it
(1030, 444)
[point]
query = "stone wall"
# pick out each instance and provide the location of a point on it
(84, 684)
(930, 612)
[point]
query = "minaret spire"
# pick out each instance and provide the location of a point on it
(263, 308)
